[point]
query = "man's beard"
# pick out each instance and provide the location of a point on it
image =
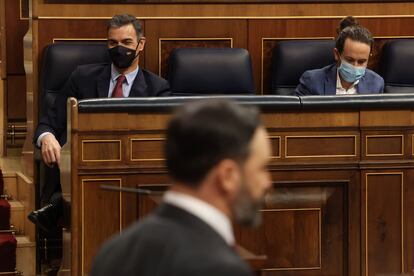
(246, 210)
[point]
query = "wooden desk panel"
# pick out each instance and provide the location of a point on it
(339, 205)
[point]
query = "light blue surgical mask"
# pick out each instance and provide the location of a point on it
(350, 73)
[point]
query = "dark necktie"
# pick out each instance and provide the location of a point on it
(117, 92)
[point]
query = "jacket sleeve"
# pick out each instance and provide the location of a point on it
(54, 119)
(303, 87)
(382, 85)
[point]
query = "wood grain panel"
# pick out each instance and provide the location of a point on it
(294, 221)
(16, 95)
(254, 10)
(290, 208)
(320, 146)
(147, 149)
(168, 45)
(298, 120)
(102, 122)
(96, 202)
(384, 145)
(15, 31)
(276, 143)
(394, 118)
(137, 206)
(384, 235)
(184, 29)
(148, 203)
(409, 220)
(100, 150)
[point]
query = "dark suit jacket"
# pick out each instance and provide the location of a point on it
(169, 242)
(92, 81)
(323, 82)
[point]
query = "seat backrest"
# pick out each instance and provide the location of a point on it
(59, 60)
(396, 66)
(203, 71)
(291, 58)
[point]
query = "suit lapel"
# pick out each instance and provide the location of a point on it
(330, 80)
(139, 86)
(102, 83)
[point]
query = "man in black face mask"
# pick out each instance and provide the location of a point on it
(122, 78)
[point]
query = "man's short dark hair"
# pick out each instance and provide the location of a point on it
(201, 134)
(120, 20)
(356, 33)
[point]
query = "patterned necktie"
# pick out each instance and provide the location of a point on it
(117, 92)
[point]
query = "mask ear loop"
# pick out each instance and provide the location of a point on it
(137, 54)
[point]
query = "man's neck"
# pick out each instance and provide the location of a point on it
(204, 196)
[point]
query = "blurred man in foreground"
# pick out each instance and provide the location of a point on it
(217, 155)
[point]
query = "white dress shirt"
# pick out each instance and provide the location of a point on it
(340, 90)
(126, 85)
(204, 211)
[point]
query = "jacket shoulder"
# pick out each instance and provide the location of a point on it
(318, 73)
(149, 76)
(371, 74)
(91, 69)
(157, 85)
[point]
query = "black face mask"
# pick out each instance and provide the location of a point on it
(121, 56)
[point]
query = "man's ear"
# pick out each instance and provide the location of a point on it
(336, 55)
(228, 175)
(141, 44)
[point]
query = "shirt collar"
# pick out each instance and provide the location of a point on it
(204, 211)
(129, 77)
(339, 84)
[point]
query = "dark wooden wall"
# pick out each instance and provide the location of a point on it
(16, 25)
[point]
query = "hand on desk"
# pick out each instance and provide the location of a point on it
(50, 150)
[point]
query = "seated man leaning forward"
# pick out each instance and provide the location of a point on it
(121, 78)
(349, 74)
(217, 154)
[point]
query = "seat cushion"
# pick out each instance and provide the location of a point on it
(291, 58)
(8, 246)
(396, 66)
(207, 71)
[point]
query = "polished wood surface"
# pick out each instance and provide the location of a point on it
(16, 28)
(340, 203)
(339, 9)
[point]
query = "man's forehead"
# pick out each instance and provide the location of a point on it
(351, 43)
(126, 31)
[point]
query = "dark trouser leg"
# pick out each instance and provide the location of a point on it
(48, 216)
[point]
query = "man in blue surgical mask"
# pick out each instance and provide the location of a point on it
(349, 75)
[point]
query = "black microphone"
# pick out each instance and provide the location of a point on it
(131, 190)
